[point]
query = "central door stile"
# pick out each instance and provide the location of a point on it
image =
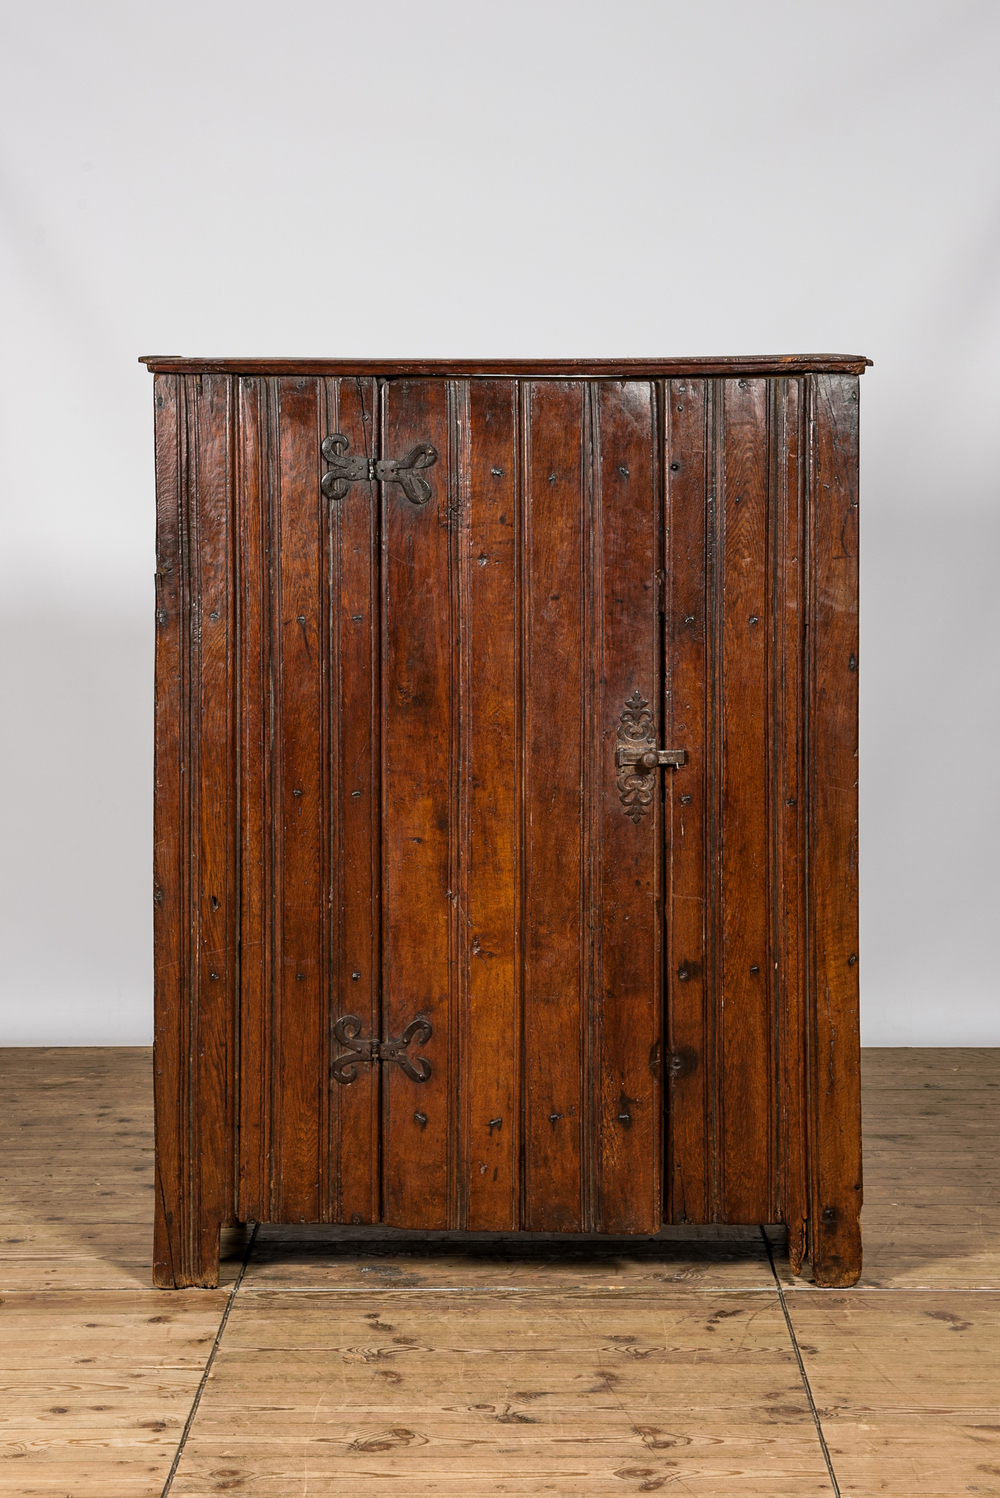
(627, 993)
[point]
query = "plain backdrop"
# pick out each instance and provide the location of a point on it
(515, 178)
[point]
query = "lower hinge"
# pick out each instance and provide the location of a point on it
(368, 1050)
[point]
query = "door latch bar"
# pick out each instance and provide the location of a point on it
(367, 1051)
(345, 471)
(637, 757)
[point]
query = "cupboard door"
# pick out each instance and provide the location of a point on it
(308, 723)
(522, 905)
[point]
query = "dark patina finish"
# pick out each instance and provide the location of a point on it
(534, 748)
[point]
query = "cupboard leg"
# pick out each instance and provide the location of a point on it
(185, 1252)
(836, 1249)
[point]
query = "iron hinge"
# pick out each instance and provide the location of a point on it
(345, 471)
(369, 1049)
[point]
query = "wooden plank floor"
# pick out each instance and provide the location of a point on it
(370, 1364)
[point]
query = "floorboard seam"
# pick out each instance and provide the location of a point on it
(189, 1422)
(802, 1368)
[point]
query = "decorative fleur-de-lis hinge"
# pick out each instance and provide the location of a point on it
(345, 471)
(637, 758)
(344, 1068)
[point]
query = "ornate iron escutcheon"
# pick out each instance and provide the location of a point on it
(637, 758)
(347, 1030)
(345, 471)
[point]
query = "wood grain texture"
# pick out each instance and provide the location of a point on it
(420, 782)
(300, 803)
(832, 749)
(747, 1054)
(97, 1372)
(787, 594)
(557, 1060)
(626, 979)
(352, 1168)
(492, 745)
(422, 738)
(691, 815)
(907, 1387)
(96, 1387)
(309, 804)
(194, 834)
(561, 369)
(457, 1393)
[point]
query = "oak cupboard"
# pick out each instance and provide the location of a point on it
(506, 798)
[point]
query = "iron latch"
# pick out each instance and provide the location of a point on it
(345, 471)
(634, 754)
(368, 1050)
(637, 757)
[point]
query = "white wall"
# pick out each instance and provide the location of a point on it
(633, 177)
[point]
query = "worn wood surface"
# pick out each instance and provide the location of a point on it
(315, 1378)
(605, 1394)
(387, 779)
(564, 369)
(196, 895)
(832, 779)
(907, 1386)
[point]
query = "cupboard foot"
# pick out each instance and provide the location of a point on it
(836, 1251)
(185, 1254)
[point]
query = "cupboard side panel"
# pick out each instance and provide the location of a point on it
(626, 910)
(490, 832)
(688, 808)
(747, 1133)
(196, 955)
(171, 999)
(556, 1018)
(419, 810)
(835, 1136)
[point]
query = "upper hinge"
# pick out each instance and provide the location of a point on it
(345, 471)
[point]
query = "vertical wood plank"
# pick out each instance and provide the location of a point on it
(419, 796)
(170, 936)
(300, 800)
(786, 717)
(490, 717)
(689, 823)
(353, 1182)
(555, 1019)
(835, 1136)
(256, 888)
(747, 1132)
(195, 830)
(627, 914)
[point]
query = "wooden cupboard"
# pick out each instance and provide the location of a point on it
(506, 798)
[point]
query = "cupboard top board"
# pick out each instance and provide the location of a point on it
(563, 369)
